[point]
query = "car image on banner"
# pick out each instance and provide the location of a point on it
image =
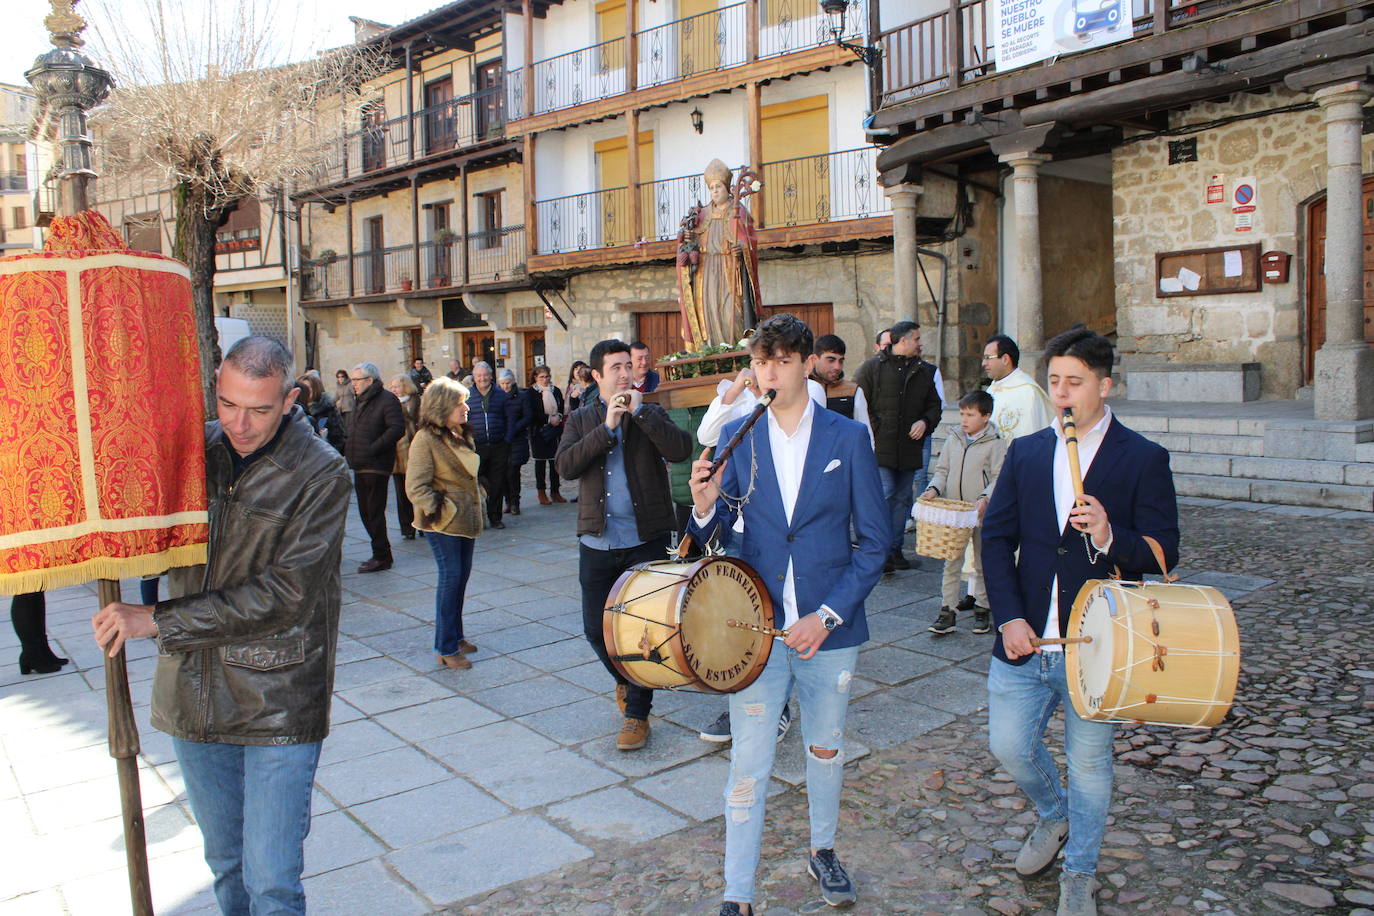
(1028, 31)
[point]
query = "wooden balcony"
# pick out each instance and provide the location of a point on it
(941, 69)
(428, 269)
(430, 135)
(712, 51)
(812, 199)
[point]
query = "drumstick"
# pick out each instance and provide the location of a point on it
(766, 631)
(1067, 641)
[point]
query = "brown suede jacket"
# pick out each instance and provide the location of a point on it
(650, 440)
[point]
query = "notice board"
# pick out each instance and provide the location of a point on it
(1207, 271)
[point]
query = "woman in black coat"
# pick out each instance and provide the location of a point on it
(521, 414)
(545, 431)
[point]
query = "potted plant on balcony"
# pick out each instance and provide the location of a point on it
(442, 239)
(328, 256)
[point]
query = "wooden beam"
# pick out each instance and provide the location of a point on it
(954, 43)
(528, 70)
(350, 246)
(751, 30)
(463, 227)
(933, 144)
(1241, 72)
(631, 46)
(632, 185)
(531, 213)
(753, 117)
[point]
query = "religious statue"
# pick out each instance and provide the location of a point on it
(718, 262)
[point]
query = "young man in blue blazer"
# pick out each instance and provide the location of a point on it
(800, 546)
(1128, 495)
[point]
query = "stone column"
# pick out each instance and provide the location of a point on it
(1030, 317)
(1344, 366)
(904, 244)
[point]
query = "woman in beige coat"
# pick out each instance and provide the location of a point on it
(441, 481)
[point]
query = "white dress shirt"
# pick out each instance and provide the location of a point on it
(1088, 444)
(789, 460)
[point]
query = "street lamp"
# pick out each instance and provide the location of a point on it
(67, 83)
(836, 9)
(697, 123)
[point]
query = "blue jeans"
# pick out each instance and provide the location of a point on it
(1021, 699)
(823, 687)
(922, 475)
(897, 492)
(253, 806)
(453, 556)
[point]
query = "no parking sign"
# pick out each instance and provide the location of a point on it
(1244, 200)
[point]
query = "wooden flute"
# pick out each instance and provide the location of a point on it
(1071, 446)
(764, 400)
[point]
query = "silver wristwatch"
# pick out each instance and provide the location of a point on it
(829, 618)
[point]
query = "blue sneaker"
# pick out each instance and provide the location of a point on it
(836, 888)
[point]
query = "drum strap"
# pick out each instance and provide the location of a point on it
(1158, 552)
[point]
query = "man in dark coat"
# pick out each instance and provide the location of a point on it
(492, 417)
(903, 409)
(420, 374)
(377, 425)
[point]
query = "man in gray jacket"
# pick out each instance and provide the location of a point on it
(246, 658)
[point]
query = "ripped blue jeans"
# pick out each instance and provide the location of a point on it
(823, 688)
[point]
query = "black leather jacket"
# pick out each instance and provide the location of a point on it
(247, 656)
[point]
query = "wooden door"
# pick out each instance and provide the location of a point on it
(796, 189)
(610, 25)
(440, 129)
(698, 49)
(415, 345)
(374, 138)
(819, 316)
(613, 167)
(1316, 274)
(478, 345)
(534, 354)
(491, 100)
(374, 264)
(662, 331)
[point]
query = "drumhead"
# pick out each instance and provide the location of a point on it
(722, 657)
(1095, 658)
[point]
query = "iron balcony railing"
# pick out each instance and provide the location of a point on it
(380, 144)
(715, 40)
(796, 192)
(483, 257)
(596, 219)
(14, 181)
(916, 55)
(822, 189)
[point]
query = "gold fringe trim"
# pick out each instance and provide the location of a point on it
(102, 568)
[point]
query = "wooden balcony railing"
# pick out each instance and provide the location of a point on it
(797, 192)
(454, 124)
(917, 55)
(715, 40)
(481, 257)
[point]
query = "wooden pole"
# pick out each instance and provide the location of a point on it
(124, 748)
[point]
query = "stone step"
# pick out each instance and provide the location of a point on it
(1283, 492)
(1300, 470)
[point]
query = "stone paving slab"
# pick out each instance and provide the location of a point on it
(413, 806)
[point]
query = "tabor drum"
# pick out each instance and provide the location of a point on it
(1166, 654)
(665, 625)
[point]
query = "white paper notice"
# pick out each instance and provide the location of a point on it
(1170, 285)
(1189, 279)
(1232, 263)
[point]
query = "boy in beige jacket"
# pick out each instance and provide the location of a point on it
(967, 470)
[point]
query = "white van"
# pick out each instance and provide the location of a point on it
(230, 331)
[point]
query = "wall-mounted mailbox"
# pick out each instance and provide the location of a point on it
(1274, 266)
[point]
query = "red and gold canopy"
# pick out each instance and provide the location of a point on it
(102, 442)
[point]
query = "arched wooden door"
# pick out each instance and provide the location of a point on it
(1316, 273)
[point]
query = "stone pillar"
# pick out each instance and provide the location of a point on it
(1344, 366)
(1030, 316)
(905, 272)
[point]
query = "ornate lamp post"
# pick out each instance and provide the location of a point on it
(68, 84)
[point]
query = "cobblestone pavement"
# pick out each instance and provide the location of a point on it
(498, 791)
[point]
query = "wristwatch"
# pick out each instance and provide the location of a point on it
(829, 618)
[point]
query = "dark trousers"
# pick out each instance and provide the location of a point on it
(597, 571)
(404, 510)
(539, 465)
(513, 481)
(370, 488)
(491, 474)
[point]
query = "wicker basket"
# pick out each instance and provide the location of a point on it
(944, 526)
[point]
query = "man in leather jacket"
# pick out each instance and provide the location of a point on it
(246, 657)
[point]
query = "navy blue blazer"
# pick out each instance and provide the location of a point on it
(825, 566)
(1130, 475)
